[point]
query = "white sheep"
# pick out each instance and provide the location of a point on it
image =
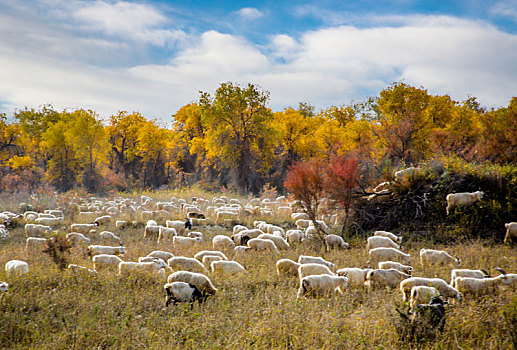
(103, 249)
(393, 237)
(241, 250)
(280, 243)
(294, 236)
(166, 233)
(511, 232)
(49, 221)
(77, 238)
(199, 280)
(462, 199)
(335, 242)
(151, 231)
(122, 224)
(307, 259)
(16, 267)
(109, 236)
(180, 292)
(103, 220)
(240, 239)
(77, 268)
(156, 267)
(238, 228)
(252, 233)
(224, 267)
(385, 278)
(380, 242)
(32, 230)
(479, 274)
(105, 261)
(442, 286)
(476, 286)
(321, 285)
(226, 214)
(422, 295)
(178, 263)
(302, 224)
(287, 267)
(222, 242)
(35, 243)
(440, 257)
(313, 269)
(297, 216)
(260, 244)
(385, 265)
(176, 224)
(208, 259)
(385, 254)
(184, 242)
(161, 254)
(199, 256)
(82, 228)
(356, 276)
(4, 287)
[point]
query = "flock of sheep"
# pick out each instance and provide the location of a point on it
(187, 278)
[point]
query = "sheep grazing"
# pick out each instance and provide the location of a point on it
(260, 244)
(195, 234)
(252, 233)
(182, 292)
(280, 243)
(105, 261)
(238, 228)
(287, 267)
(422, 295)
(32, 230)
(380, 242)
(463, 199)
(384, 278)
(385, 265)
(240, 239)
(35, 243)
(467, 273)
(442, 286)
(16, 267)
(335, 242)
(507, 279)
(166, 233)
(109, 236)
(356, 276)
(152, 229)
(184, 242)
(200, 255)
(224, 267)
(476, 286)
(294, 236)
(103, 249)
(103, 220)
(77, 238)
(82, 228)
(313, 269)
(178, 263)
(199, 280)
(208, 259)
(222, 242)
(302, 224)
(156, 267)
(307, 259)
(511, 233)
(176, 224)
(4, 287)
(77, 268)
(384, 254)
(321, 285)
(122, 224)
(433, 257)
(393, 237)
(49, 221)
(297, 216)
(241, 250)
(161, 254)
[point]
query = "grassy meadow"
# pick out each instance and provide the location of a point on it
(53, 309)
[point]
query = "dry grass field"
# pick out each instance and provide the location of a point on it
(53, 309)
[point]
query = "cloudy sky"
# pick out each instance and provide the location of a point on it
(155, 56)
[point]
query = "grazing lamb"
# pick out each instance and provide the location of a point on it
(335, 242)
(182, 292)
(480, 274)
(356, 276)
(166, 233)
(385, 265)
(508, 279)
(238, 228)
(224, 267)
(195, 234)
(476, 286)
(313, 269)
(422, 295)
(178, 263)
(184, 242)
(32, 230)
(16, 267)
(393, 237)
(161, 254)
(307, 259)
(151, 229)
(109, 236)
(441, 257)
(260, 244)
(384, 254)
(302, 224)
(321, 285)
(208, 259)
(77, 238)
(105, 261)
(241, 250)
(35, 243)
(122, 224)
(511, 233)
(297, 216)
(384, 278)
(463, 199)
(49, 221)
(222, 242)
(240, 239)
(103, 220)
(199, 280)
(294, 236)
(77, 268)
(280, 243)
(442, 286)
(252, 233)
(380, 242)
(287, 267)
(82, 228)
(177, 224)
(200, 255)
(156, 267)
(103, 249)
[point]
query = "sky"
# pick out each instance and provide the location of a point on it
(155, 56)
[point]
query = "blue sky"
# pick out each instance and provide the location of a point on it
(154, 56)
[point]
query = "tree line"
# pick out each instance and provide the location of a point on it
(232, 138)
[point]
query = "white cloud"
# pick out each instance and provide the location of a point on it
(506, 9)
(250, 13)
